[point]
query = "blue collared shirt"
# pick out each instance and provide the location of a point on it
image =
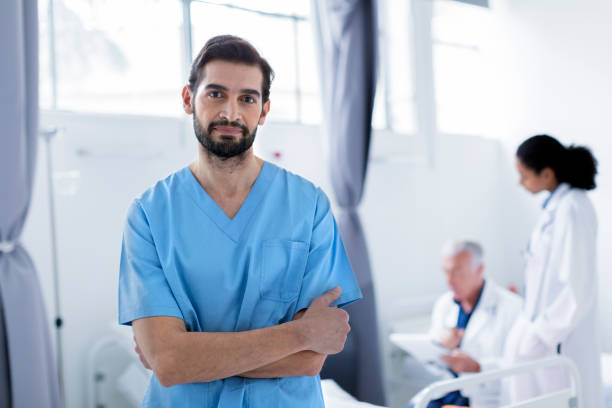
(464, 317)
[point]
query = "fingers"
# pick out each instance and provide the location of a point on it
(328, 297)
(299, 314)
(458, 333)
(347, 317)
(447, 358)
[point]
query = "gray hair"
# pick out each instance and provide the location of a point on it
(455, 247)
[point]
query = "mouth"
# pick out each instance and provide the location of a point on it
(228, 130)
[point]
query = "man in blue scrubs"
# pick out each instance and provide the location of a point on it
(233, 272)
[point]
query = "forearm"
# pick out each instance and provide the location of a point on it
(303, 363)
(179, 357)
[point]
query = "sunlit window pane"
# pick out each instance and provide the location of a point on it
(459, 23)
(272, 36)
(399, 59)
(459, 89)
(294, 7)
(310, 102)
(460, 67)
(119, 56)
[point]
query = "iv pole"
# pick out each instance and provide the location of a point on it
(47, 135)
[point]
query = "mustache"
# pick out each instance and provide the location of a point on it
(216, 123)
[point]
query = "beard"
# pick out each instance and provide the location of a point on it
(223, 149)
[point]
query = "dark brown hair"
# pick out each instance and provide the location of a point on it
(233, 49)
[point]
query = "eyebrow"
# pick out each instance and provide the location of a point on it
(224, 88)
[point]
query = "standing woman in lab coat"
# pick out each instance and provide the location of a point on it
(559, 315)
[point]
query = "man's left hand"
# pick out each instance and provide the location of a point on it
(460, 362)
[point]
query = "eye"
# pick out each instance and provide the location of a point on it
(248, 99)
(214, 94)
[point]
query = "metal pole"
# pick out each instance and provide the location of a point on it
(47, 136)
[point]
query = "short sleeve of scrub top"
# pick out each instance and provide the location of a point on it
(143, 288)
(328, 265)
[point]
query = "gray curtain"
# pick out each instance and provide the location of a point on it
(346, 33)
(27, 367)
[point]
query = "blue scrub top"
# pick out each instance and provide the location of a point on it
(183, 257)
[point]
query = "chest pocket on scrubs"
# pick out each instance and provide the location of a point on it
(282, 269)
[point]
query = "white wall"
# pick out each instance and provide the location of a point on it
(114, 160)
(554, 62)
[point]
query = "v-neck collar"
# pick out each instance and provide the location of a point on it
(232, 227)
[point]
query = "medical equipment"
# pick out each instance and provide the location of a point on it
(606, 376)
(115, 376)
(569, 397)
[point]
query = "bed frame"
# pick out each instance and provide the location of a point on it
(567, 398)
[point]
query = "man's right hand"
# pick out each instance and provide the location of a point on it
(452, 338)
(325, 327)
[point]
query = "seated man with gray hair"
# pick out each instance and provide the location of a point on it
(472, 320)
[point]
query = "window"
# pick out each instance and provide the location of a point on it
(459, 32)
(282, 34)
(114, 56)
(129, 57)
(394, 107)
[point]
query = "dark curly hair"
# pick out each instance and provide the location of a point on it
(574, 165)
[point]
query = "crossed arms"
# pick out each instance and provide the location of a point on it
(296, 348)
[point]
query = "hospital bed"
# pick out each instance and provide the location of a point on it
(117, 379)
(566, 398)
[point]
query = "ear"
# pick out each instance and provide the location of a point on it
(264, 112)
(548, 173)
(187, 97)
(480, 269)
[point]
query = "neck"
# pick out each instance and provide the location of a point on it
(553, 186)
(469, 303)
(226, 177)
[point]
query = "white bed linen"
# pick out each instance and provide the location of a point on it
(335, 397)
(606, 377)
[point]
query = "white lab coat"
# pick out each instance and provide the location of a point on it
(484, 336)
(560, 309)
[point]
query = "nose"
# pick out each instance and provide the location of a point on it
(230, 111)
